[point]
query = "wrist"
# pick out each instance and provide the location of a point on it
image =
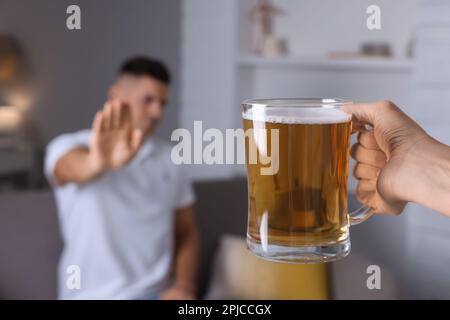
(429, 171)
(96, 166)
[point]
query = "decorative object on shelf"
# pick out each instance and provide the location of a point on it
(376, 49)
(367, 50)
(267, 43)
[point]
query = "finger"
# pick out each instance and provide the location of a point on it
(394, 208)
(97, 122)
(374, 158)
(365, 171)
(367, 140)
(357, 126)
(366, 185)
(366, 197)
(116, 114)
(126, 116)
(137, 137)
(107, 115)
(123, 114)
(371, 200)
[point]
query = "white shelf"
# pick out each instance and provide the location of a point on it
(368, 64)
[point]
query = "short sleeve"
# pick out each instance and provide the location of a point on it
(60, 146)
(185, 192)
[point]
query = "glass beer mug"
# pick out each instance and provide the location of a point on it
(297, 153)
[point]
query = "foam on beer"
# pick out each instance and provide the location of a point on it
(297, 115)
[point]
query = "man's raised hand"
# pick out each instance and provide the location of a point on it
(114, 141)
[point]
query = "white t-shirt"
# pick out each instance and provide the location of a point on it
(118, 230)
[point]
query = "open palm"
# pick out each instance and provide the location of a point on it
(114, 141)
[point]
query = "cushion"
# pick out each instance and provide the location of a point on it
(238, 274)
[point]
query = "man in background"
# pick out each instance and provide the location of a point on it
(126, 211)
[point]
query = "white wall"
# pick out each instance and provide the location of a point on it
(428, 257)
(316, 27)
(208, 51)
(73, 69)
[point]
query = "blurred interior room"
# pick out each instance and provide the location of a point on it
(53, 80)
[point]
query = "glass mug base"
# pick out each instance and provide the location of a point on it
(299, 254)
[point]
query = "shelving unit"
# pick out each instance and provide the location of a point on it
(359, 64)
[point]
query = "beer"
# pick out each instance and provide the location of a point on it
(304, 203)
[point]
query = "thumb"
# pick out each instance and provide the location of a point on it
(137, 136)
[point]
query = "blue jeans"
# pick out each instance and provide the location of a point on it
(150, 296)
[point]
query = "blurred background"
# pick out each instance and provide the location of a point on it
(53, 80)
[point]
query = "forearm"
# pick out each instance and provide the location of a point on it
(432, 185)
(76, 166)
(186, 261)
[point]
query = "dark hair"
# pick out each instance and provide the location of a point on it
(145, 66)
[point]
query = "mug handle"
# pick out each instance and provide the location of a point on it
(363, 213)
(360, 215)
